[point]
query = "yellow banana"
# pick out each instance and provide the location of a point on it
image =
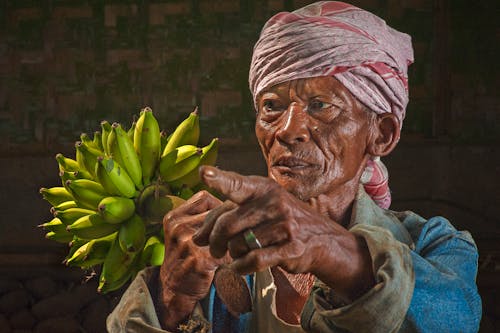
(129, 156)
(116, 209)
(87, 193)
(56, 195)
(147, 143)
(118, 176)
(106, 129)
(66, 164)
(91, 226)
(186, 133)
(132, 234)
(113, 149)
(208, 157)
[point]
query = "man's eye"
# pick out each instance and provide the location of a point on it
(317, 105)
(271, 106)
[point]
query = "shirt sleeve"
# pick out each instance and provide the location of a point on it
(383, 308)
(136, 311)
(445, 265)
(429, 289)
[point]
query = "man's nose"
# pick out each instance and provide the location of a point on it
(294, 129)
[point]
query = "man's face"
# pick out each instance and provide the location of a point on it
(313, 135)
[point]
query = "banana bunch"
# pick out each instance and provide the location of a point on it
(113, 195)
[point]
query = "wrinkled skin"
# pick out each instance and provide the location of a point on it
(316, 138)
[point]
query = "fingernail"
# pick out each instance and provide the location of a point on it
(208, 173)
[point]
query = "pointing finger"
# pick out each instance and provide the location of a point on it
(235, 187)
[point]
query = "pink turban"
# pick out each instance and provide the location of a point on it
(355, 46)
(334, 38)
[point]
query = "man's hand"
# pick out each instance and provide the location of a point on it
(293, 235)
(187, 270)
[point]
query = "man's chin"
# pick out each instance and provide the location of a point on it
(296, 185)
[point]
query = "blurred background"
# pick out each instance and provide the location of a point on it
(65, 65)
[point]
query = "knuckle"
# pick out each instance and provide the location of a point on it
(169, 218)
(290, 230)
(256, 261)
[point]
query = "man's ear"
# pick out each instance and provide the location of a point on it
(385, 134)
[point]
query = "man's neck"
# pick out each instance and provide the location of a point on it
(337, 204)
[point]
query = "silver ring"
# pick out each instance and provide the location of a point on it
(252, 241)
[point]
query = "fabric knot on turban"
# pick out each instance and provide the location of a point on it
(334, 38)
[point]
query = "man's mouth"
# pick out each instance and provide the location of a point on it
(290, 163)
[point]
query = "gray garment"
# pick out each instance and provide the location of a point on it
(391, 239)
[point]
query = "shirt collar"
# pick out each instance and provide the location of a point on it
(366, 211)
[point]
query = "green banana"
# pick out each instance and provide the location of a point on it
(147, 143)
(86, 140)
(54, 225)
(155, 208)
(97, 140)
(131, 131)
(70, 215)
(67, 175)
(104, 179)
(157, 254)
(74, 245)
(87, 157)
(187, 133)
(208, 157)
(91, 226)
(113, 149)
(87, 193)
(116, 209)
(179, 162)
(185, 192)
(146, 254)
(116, 175)
(132, 234)
(106, 129)
(56, 195)
(163, 140)
(63, 206)
(91, 253)
(128, 154)
(61, 237)
(66, 164)
(116, 269)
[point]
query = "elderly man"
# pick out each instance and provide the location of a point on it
(314, 241)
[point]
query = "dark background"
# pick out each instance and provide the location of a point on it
(67, 65)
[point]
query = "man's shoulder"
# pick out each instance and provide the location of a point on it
(425, 232)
